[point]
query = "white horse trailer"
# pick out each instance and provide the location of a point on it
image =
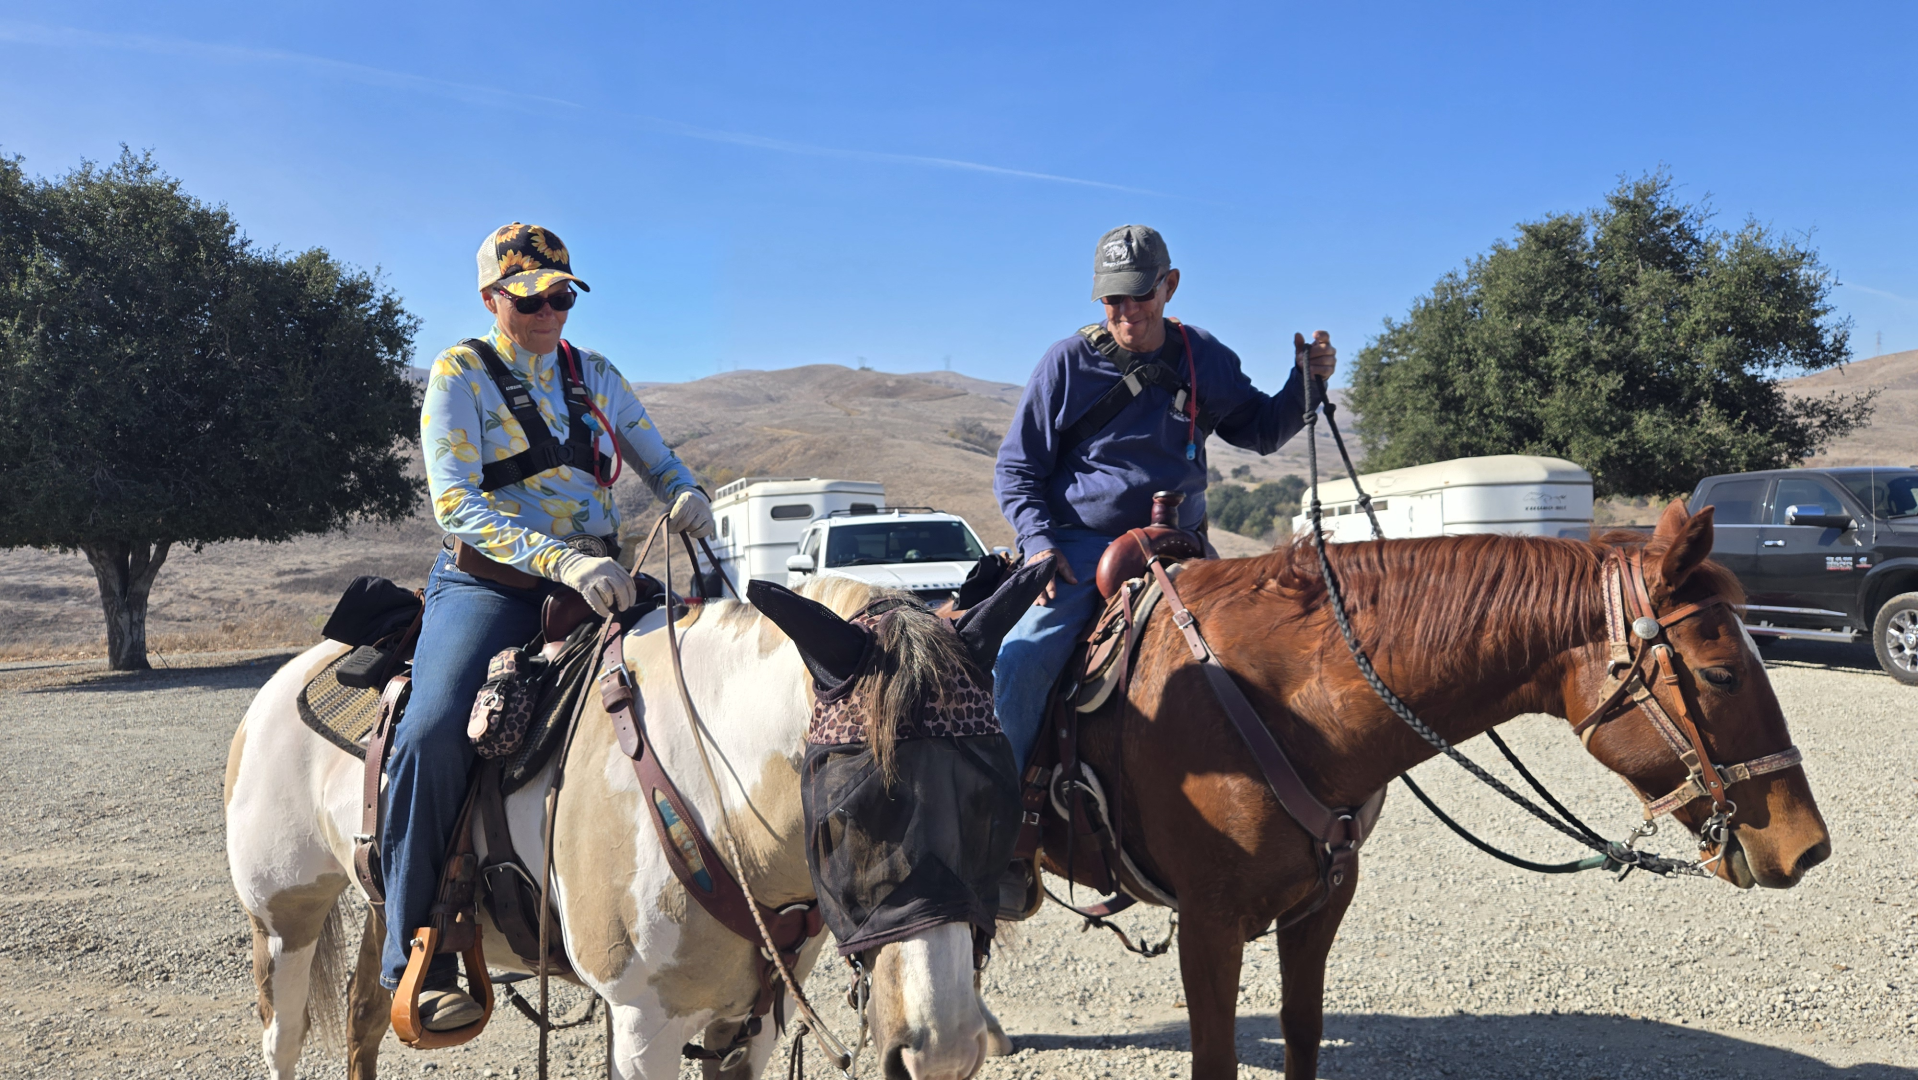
(759, 519)
(1505, 493)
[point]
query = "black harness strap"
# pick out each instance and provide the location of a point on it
(543, 451)
(1160, 369)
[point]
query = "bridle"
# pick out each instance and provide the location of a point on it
(1644, 658)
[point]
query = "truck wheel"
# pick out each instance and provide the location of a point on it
(1894, 636)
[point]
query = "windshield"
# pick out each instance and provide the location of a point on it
(901, 542)
(1889, 493)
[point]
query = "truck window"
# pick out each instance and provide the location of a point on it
(1888, 493)
(1805, 493)
(792, 512)
(808, 542)
(1736, 502)
(901, 542)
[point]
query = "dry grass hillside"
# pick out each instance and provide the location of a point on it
(930, 438)
(1892, 437)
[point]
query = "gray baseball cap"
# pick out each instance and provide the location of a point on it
(1129, 261)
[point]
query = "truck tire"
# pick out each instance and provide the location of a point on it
(1894, 637)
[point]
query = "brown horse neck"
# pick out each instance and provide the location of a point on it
(1468, 631)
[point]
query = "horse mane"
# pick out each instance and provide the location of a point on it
(1527, 596)
(916, 650)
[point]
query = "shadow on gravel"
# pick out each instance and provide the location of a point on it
(1827, 654)
(253, 672)
(1370, 1046)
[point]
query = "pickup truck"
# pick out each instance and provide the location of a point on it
(902, 547)
(1829, 553)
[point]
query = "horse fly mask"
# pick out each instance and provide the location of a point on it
(893, 855)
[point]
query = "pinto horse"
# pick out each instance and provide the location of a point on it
(671, 973)
(1470, 631)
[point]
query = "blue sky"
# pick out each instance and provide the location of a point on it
(762, 186)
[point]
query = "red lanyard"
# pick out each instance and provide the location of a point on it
(567, 352)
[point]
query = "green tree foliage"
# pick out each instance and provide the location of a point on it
(163, 381)
(1254, 511)
(1634, 339)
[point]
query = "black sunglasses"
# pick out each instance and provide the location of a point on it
(530, 305)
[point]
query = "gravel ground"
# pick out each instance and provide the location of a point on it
(127, 953)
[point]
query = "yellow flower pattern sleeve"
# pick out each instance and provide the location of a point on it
(666, 475)
(464, 422)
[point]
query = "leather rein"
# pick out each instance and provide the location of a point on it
(1643, 658)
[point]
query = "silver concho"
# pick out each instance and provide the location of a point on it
(586, 544)
(1646, 627)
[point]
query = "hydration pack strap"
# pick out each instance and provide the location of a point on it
(1136, 373)
(543, 451)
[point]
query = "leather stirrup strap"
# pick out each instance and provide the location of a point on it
(366, 845)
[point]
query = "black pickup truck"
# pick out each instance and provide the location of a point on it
(1824, 553)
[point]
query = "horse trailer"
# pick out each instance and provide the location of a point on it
(759, 520)
(1504, 493)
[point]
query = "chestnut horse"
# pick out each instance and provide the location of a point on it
(1470, 631)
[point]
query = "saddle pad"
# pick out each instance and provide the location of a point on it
(342, 715)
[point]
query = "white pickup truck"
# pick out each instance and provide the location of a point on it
(790, 529)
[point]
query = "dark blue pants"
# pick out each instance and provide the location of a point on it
(1037, 648)
(467, 620)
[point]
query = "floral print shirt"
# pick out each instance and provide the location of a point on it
(464, 421)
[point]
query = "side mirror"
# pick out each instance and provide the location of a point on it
(1002, 551)
(1817, 517)
(799, 564)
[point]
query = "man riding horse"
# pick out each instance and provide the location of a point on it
(523, 436)
(1112, 414)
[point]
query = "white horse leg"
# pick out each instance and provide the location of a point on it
(644, 1048)
(998, 1043)
(285, 938)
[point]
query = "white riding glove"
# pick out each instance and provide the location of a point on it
(606, 585)
(691, 514)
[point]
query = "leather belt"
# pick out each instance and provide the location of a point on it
(469, 560)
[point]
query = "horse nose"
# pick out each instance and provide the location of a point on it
(1813, 855)
(949, 1060)
(952, 1062)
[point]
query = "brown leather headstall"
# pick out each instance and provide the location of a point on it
(1643, 658)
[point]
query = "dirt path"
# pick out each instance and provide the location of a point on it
(127, 955)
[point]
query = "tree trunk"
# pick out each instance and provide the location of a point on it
(125, 571)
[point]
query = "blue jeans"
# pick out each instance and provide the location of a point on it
(467, 620)
(1036, 650)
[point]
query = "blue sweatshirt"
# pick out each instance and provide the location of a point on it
(1106, 483)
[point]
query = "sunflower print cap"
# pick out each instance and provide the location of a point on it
(524, 260)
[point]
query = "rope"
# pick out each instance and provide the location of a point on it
(829, 1044)
(1613, 852)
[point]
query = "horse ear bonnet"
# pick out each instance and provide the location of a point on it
(834, 649)
(985, 627)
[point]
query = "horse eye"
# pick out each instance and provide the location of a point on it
(1719, 677)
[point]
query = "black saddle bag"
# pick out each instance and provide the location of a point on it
(381, 620)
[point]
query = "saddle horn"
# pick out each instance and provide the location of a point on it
(986, 625)
(832, 647)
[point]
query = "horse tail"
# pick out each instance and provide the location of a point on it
(327, 986)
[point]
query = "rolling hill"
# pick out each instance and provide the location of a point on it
(929, 437)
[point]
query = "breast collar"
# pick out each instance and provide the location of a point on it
(1643, 655)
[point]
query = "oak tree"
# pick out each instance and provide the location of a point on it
(1635, 339)
(164, 381)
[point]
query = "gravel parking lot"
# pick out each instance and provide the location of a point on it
(126, 953)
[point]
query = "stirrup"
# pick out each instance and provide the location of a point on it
(1019, 892)
(405, 1015)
